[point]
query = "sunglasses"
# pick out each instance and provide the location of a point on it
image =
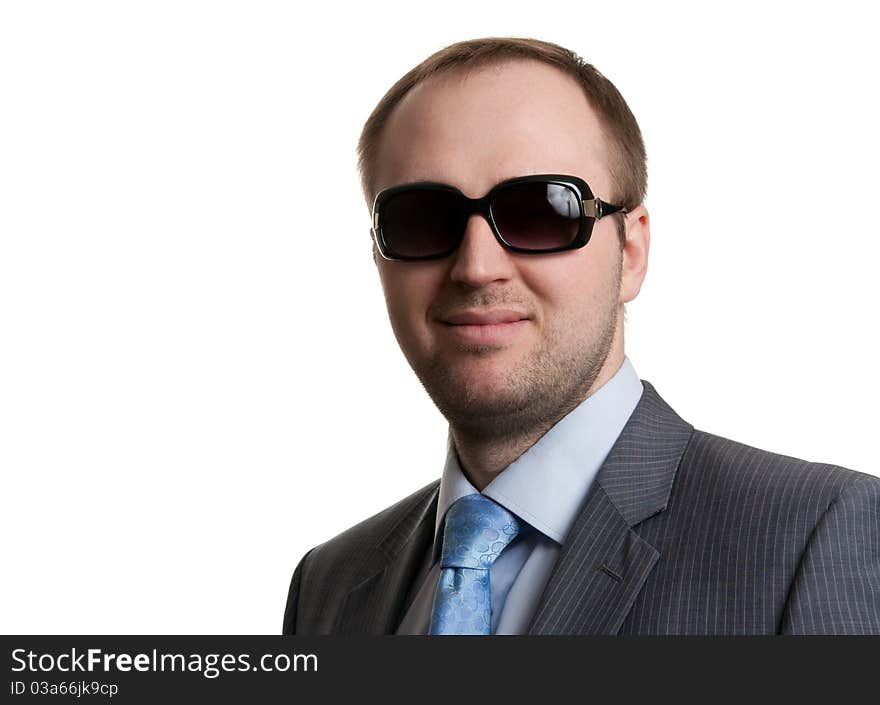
(532, 215)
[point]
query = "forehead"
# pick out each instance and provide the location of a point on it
(472, 129)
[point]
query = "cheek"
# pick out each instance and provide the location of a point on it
(408, 293)
(569, 285)
(572, 295)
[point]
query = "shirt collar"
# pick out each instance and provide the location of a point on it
(547, 485)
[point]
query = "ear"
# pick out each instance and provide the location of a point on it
(635, 253)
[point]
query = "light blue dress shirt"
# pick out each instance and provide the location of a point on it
(545, 487)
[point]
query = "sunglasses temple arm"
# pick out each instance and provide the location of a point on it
(597, 208)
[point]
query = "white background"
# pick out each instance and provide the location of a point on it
(198, 381)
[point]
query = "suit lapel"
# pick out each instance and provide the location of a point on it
(375, 605)
(603, 562)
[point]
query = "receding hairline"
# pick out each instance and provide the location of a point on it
(462, 70)
(462, 73)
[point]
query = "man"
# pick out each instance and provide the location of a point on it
(509, 232)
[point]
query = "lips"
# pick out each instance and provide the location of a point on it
(484, 318)
(495, 328)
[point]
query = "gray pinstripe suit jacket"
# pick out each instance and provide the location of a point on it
(684, 532)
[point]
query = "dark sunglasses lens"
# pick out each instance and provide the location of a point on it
(422, 223)
(537, 215)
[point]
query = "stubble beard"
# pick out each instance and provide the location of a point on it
(527, 398)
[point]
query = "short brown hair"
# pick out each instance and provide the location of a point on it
(627, 150)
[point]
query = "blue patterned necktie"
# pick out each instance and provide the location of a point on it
(477, 530)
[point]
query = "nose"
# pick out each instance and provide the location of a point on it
(480, 259)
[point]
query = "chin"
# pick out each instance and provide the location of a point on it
(480, 393)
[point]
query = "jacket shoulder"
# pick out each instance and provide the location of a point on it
(367, 534)
(330, 569)
(795, 543)
(721, 466)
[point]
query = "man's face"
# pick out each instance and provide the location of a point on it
(499, 122)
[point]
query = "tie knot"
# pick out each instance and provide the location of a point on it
(477, 530)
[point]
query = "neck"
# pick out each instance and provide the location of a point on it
(483, 459)
(484, 453)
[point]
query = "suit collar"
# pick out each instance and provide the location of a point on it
(639, 471)
(603, 562)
